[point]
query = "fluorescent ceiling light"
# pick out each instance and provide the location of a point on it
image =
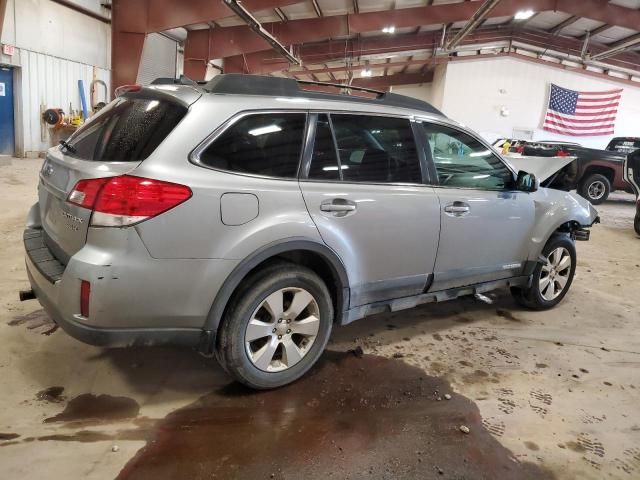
(524, 14)
(390, 29)
(256, 132)
(366, 72)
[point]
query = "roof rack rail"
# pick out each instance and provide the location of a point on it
(241, 84)
(340, 86)
(182, 80)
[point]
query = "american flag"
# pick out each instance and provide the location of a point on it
(581, 113)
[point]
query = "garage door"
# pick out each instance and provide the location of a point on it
(158, 58)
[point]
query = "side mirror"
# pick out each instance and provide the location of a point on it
(526, 182)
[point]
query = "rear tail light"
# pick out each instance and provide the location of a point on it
(85, 293)
(562, 153)
(125, 200)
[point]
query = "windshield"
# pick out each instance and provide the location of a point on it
(126, 130)
(624, 145)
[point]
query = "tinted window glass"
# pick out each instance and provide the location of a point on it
(462, 161)
(128, 129)
(324, 162)
(376, 149)
(262, 144)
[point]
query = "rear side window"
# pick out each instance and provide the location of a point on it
(262, 144)
(371, 149)
(126, 130)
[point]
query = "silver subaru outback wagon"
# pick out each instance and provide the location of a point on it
(247, 216)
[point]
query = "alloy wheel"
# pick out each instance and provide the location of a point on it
(555, 274)
(282, 329)
(596, 190)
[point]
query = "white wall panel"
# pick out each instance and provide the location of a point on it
(52, 82)
(476, 90)
(421, 92)
(46, 27)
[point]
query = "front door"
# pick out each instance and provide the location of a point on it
(7, 132)
(364, 190)
(486, 224)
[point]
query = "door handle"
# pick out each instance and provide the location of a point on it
(457, 209)
(338, 206)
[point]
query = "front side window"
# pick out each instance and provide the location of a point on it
(375, 149)
(261, 144)
(462, 161)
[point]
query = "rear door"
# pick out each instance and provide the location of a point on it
(112, 143)
(362, 182)
(486, 224)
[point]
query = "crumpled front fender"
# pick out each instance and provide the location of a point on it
(555, 209)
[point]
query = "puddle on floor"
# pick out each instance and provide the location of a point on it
(350, 417)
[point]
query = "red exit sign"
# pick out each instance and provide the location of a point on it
(8, 49)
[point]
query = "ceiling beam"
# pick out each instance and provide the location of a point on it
(383, 82)
(405, 45)
(236, 7)
(618, 47)
(234, 40)
(476, 19)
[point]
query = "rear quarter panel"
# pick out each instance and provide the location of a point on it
(195, 228)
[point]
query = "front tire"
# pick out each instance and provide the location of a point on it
(551, 281)
(276, 327)
(636, 223)
(596, 188)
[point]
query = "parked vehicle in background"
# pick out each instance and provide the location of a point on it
(624, 145)
(632, 175)
(516, 145)
(594, 174)
(246, 217)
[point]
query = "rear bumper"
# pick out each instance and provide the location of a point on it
(135, 299)
(105, 337)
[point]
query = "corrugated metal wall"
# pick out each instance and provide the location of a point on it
(53, 82)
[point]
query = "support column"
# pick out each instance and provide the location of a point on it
(196, 54)
(128, 31)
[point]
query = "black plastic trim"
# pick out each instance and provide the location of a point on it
(41, 255)
(268, 251)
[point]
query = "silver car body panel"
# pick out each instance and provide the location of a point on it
(176, 272)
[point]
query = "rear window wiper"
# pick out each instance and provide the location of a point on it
(68, 146)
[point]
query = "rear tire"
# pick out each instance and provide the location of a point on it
(595, 188)
(276, 326)
(636, 223)
(550, 282)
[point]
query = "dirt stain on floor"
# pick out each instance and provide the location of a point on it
(88, 408)
(51, 395)
(349, 417)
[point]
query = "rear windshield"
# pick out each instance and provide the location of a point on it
(126, 130)
(624, 145)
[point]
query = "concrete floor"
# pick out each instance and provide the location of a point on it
(552, 394)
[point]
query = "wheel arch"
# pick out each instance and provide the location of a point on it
(320, 258)
(606, 171)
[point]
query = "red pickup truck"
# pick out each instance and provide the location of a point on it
(595, 173)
